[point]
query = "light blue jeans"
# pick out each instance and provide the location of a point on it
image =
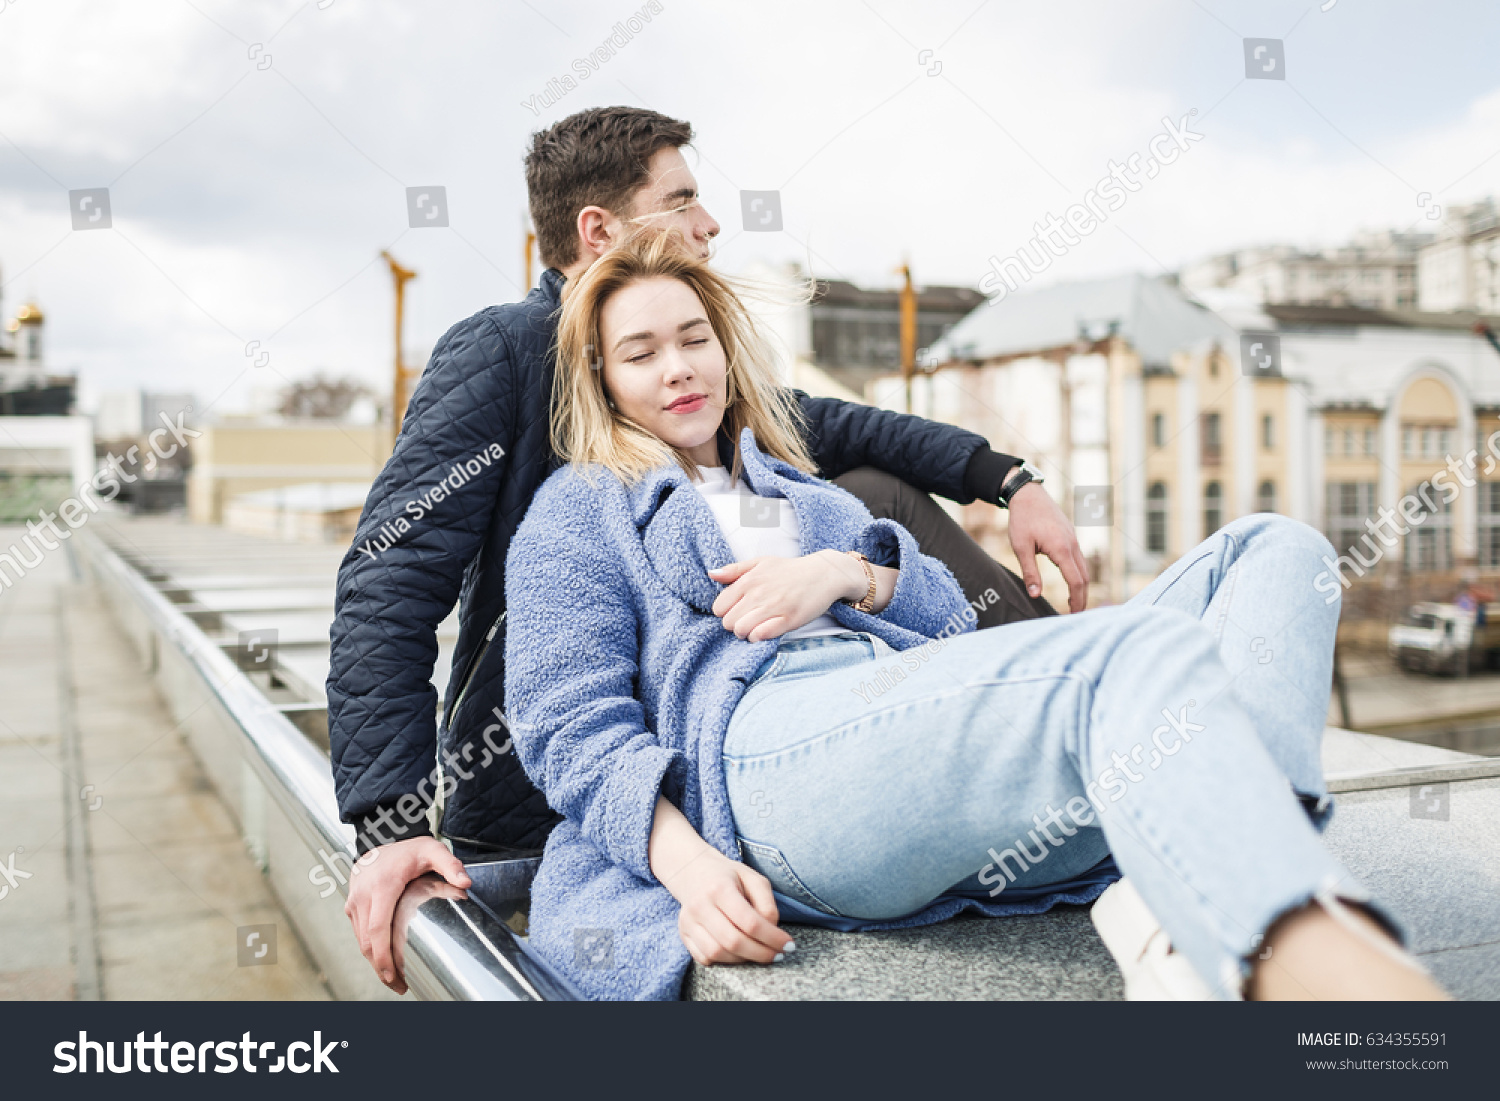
(1175, 732)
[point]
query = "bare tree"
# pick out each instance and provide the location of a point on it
(321, 398)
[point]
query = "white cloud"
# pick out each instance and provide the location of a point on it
(290, 185)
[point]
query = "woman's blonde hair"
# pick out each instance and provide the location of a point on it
(587, 429)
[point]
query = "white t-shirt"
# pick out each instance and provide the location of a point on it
(758, 526)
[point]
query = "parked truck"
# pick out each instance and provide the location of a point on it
(1446, 638)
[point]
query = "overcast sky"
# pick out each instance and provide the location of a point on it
(250, 199)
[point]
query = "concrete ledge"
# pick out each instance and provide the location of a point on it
(1055, 956)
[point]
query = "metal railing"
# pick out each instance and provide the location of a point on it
(456, 949)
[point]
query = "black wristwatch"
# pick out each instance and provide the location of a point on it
(1025, 473)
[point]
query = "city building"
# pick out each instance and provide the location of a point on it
(1461, 269)
(1376, 270)
(46, 451)
(1153, 432)
(246, 455)
(835, 337)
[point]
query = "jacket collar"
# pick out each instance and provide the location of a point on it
(767, 476)
(551, 285)
(679, 531)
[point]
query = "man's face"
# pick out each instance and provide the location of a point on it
(669, 198)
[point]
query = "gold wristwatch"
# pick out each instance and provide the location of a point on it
(867, 605)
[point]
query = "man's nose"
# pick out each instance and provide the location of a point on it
(707, 228)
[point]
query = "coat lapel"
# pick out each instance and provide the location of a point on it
(683, 540)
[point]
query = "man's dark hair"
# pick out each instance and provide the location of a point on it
(597, 157)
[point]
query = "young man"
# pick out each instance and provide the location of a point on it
(472, 451)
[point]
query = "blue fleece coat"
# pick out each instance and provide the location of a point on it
(622, 681)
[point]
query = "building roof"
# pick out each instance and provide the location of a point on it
(1353, 317)
(1155, 318)
(839, 292)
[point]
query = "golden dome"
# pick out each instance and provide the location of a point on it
(30, 314)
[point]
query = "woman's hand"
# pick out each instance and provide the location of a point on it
(767, 596)
(728, 912)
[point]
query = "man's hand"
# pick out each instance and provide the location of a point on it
(380, 877)
(1038, 526)
(418, 891)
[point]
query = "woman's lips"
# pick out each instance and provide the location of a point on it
(688, 405)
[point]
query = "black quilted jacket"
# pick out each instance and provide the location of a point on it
(473, 449)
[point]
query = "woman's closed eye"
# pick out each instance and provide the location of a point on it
(642, 357)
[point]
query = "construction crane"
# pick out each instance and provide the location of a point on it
(908, 330)
(401, 382)
(529, 235)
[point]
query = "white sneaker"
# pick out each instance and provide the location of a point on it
(1152, 971)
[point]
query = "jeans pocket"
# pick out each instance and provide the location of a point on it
(768, 861)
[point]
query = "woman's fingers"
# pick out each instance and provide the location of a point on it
(748, 921)
(733, 945)
(758, 890)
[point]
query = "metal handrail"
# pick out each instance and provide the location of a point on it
(456, 949)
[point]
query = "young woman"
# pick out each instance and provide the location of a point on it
(751, 701)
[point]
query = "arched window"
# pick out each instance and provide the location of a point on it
(1429, 543)
(1265, 499)
(1156, 518)
(1213, 508)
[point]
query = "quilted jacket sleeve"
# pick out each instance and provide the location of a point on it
(570, 672)
(422, 525)
(933, 457)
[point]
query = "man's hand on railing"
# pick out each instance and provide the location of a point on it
(381, 880)
(417, 892)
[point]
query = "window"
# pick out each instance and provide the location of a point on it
(1369, 441)
(1158, 430)
(1265, 499)
(1156, 518)
(1427, 441)
(1328, 441)
(1268, 432)
(1213, 508)
(1349, 504)
(1429, 543)
(1213, 442)
(1348, 441)
(1489, 525)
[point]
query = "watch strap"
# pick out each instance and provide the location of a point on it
(1022, 477)
(867, 604)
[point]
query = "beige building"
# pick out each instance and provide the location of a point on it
(1133, 400)
(236, 457)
